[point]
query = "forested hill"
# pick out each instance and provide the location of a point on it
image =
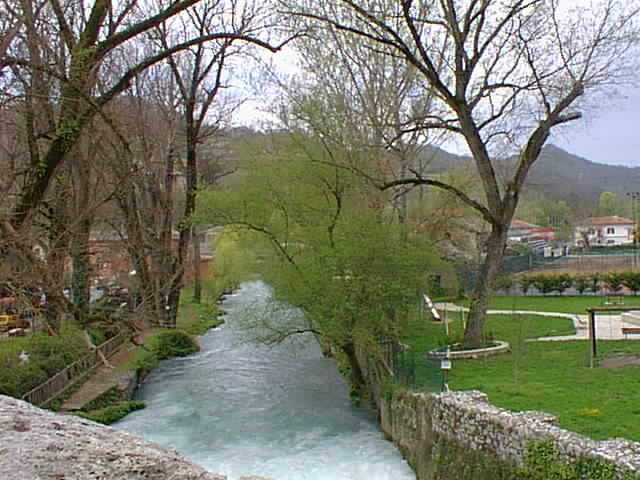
(561, 176)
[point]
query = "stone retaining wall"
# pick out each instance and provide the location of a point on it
(37, 445)
(460, 435)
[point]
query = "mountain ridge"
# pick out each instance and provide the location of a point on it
(557, 174)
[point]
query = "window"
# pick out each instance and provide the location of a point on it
(610, 242)
(611, 230)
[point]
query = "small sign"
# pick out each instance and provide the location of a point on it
(445, 364)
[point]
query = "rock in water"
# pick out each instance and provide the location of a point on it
(37, 444)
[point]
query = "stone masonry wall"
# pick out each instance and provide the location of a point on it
(37, 444)
(426, 426)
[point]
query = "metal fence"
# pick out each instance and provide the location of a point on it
(415, 370)
(61, 381)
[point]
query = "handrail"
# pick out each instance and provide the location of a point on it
(61, 381)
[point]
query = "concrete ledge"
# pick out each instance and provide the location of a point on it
(631, 317)
(500, 347)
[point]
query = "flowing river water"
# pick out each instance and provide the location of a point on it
(241, 408)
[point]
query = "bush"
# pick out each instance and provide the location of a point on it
(563, 282)
(525, 284)
(614, 281)
(47, 356)
(631, 280)
(174, 343)
(167, 344)
(595, 279)
(113, 413)
(581, 283)
(545, 283)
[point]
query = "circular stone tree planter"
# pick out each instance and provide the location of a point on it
(497, 349)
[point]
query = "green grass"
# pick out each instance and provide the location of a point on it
(549, 376)
(554, 377)
(425, 335)
(193, 319)
(47, 356)
(196, 318)
(554, 303)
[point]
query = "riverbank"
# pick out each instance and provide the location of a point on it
(283, 411)
(107, 396)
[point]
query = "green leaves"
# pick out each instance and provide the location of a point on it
(325, 240)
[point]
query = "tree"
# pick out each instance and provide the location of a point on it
(366, 101)
(543, 211)
(93, 36)
(62, 63)
(198, 75)
(607, 204)
(504, 75)
(323, 247)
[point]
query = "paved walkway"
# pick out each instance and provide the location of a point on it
(608, 327)
(104, 378)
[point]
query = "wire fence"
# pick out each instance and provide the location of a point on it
(586, 263)
(417, 371)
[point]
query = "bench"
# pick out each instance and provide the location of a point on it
(630, 331)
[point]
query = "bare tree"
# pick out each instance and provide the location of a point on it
(198, 75)
(504, 74)
(91, 35)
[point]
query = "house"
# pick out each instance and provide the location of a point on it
(111, 263)
(604, 231)
(530, 234)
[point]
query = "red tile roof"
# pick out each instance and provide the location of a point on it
(612, 220)
(522, 224)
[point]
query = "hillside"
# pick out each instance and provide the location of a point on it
(559, 175)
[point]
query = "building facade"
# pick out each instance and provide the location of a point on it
(604, 231)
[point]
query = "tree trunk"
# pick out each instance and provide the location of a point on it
(184, 227)
(473, 334)
(197, 278)
(358, 382)
(80, 287)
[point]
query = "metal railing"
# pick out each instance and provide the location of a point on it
(61, 381)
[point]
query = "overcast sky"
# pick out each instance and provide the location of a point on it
(609, 135)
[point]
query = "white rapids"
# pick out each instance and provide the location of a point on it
(240, 408)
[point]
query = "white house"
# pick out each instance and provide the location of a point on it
(603, 231)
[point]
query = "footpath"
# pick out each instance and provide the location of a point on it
(105, 377)
(608, 327)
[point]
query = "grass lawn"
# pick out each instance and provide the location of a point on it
(554, 303)
(547, 376)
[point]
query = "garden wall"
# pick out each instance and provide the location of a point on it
(459, 435)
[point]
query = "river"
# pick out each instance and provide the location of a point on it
(284, 412)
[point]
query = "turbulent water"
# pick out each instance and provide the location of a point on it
(240, 408)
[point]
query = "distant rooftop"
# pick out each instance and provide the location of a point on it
(611, 220)
(522, 224)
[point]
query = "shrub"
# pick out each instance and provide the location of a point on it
(544, 283)
(563, 282)
(167, 344)
(525, 284)
(113, 413)
(581, 283)
(174, 343)
(594, 280)
(631, 280)
(47, 356)
(614, 281)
